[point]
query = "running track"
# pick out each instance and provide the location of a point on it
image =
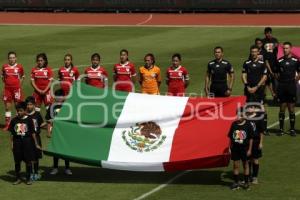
(100, 19)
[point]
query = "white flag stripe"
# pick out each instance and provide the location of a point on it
(129, 166)
(164, 110)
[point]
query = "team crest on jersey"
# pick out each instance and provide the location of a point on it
(287, 63)
(180, 74)
(144, 137)
(217, 66)
(21, 129)
(45, 73)
(239, 136)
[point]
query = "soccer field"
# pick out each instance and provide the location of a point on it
(279, 173)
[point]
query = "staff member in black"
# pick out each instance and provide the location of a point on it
(254, 75)
(219, 77)
(270, 45)
(287, 66)
(240, 135)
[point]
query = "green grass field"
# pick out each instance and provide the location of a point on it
(280, 168)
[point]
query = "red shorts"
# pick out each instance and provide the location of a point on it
(47, 98)
(12, 94)
(180, 92)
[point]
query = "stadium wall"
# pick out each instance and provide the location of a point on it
(152, 5)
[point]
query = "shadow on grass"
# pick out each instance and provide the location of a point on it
(99, 175)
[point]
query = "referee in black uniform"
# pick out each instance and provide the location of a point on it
(219, 77)
(287, 69)
(254, 76)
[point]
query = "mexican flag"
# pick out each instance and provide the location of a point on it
(138, 132)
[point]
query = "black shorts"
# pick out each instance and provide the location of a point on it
(257, 97)
(23, 149)
(239, 153)
(38, 152)
(218, 89)
(256, 151)
(287, 92)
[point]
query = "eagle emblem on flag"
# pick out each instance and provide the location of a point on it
(144, 137)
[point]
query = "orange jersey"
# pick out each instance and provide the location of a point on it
(150, 79)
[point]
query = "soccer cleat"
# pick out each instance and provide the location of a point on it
(54, 171)
(293, 133)
(68, 172)
(29, 182)
(17, 182)
(246, 186)
(281, 132)
(36, 177)
(254, 181)
(32, 177)
(235, 186)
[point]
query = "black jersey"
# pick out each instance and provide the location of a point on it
(287, 68)
(219, 70)
(21, 127)
(241, 134)
(258, 125)
(37, 121)
(52, 111)
(271, 49)
(255, 70)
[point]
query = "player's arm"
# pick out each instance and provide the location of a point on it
(207, 80)
(105, 78)
(298, 71)
(186, 78)
(244, 76)
(22, 75)
(231, 77)
(158, 78)
(3, 74)
(269, 68)
(35, 87)
(133, 74)
(115, 74)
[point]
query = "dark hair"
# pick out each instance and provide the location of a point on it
(258, 39)
(44, 57)
(70, 55)
(124, 51)
(10, 53)
(268, 30)
(288, 43)
(59, 93)
(21, 105)
(96, 55)
(254, 47)
(151, 56)
(176, 55)
(30, 99)
(218, 47)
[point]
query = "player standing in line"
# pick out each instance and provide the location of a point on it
(240, 135)
(288, 67)
(41, 80)
(220, 76)
(256, 119)
(124, 73)
(177, 77)
(96, 75)
(270, 45)
(149, 76)
(23, 142)
(254, 76)
(12, 76)
(37, 123)
(68, 74)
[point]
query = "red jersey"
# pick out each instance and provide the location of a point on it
(67, 76)
(123, 74)
(96, 77)
(177, 77)
(42, 76)
(12, 75)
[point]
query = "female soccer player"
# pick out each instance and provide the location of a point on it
(68, 74)
(124, 73)
(149, 76)
(96, 75)
(177, 77)
(241, 134)
(41, 79)
(12, 76)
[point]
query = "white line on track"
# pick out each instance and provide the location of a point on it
(145, 21)
(162, 186)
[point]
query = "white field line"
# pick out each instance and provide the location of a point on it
(162, 186)
(145, 21)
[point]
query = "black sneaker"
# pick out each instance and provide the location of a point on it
(235, 186)
(29, 182)
(17, 182)
(293, 133)
(246, 186)
(281, 132)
